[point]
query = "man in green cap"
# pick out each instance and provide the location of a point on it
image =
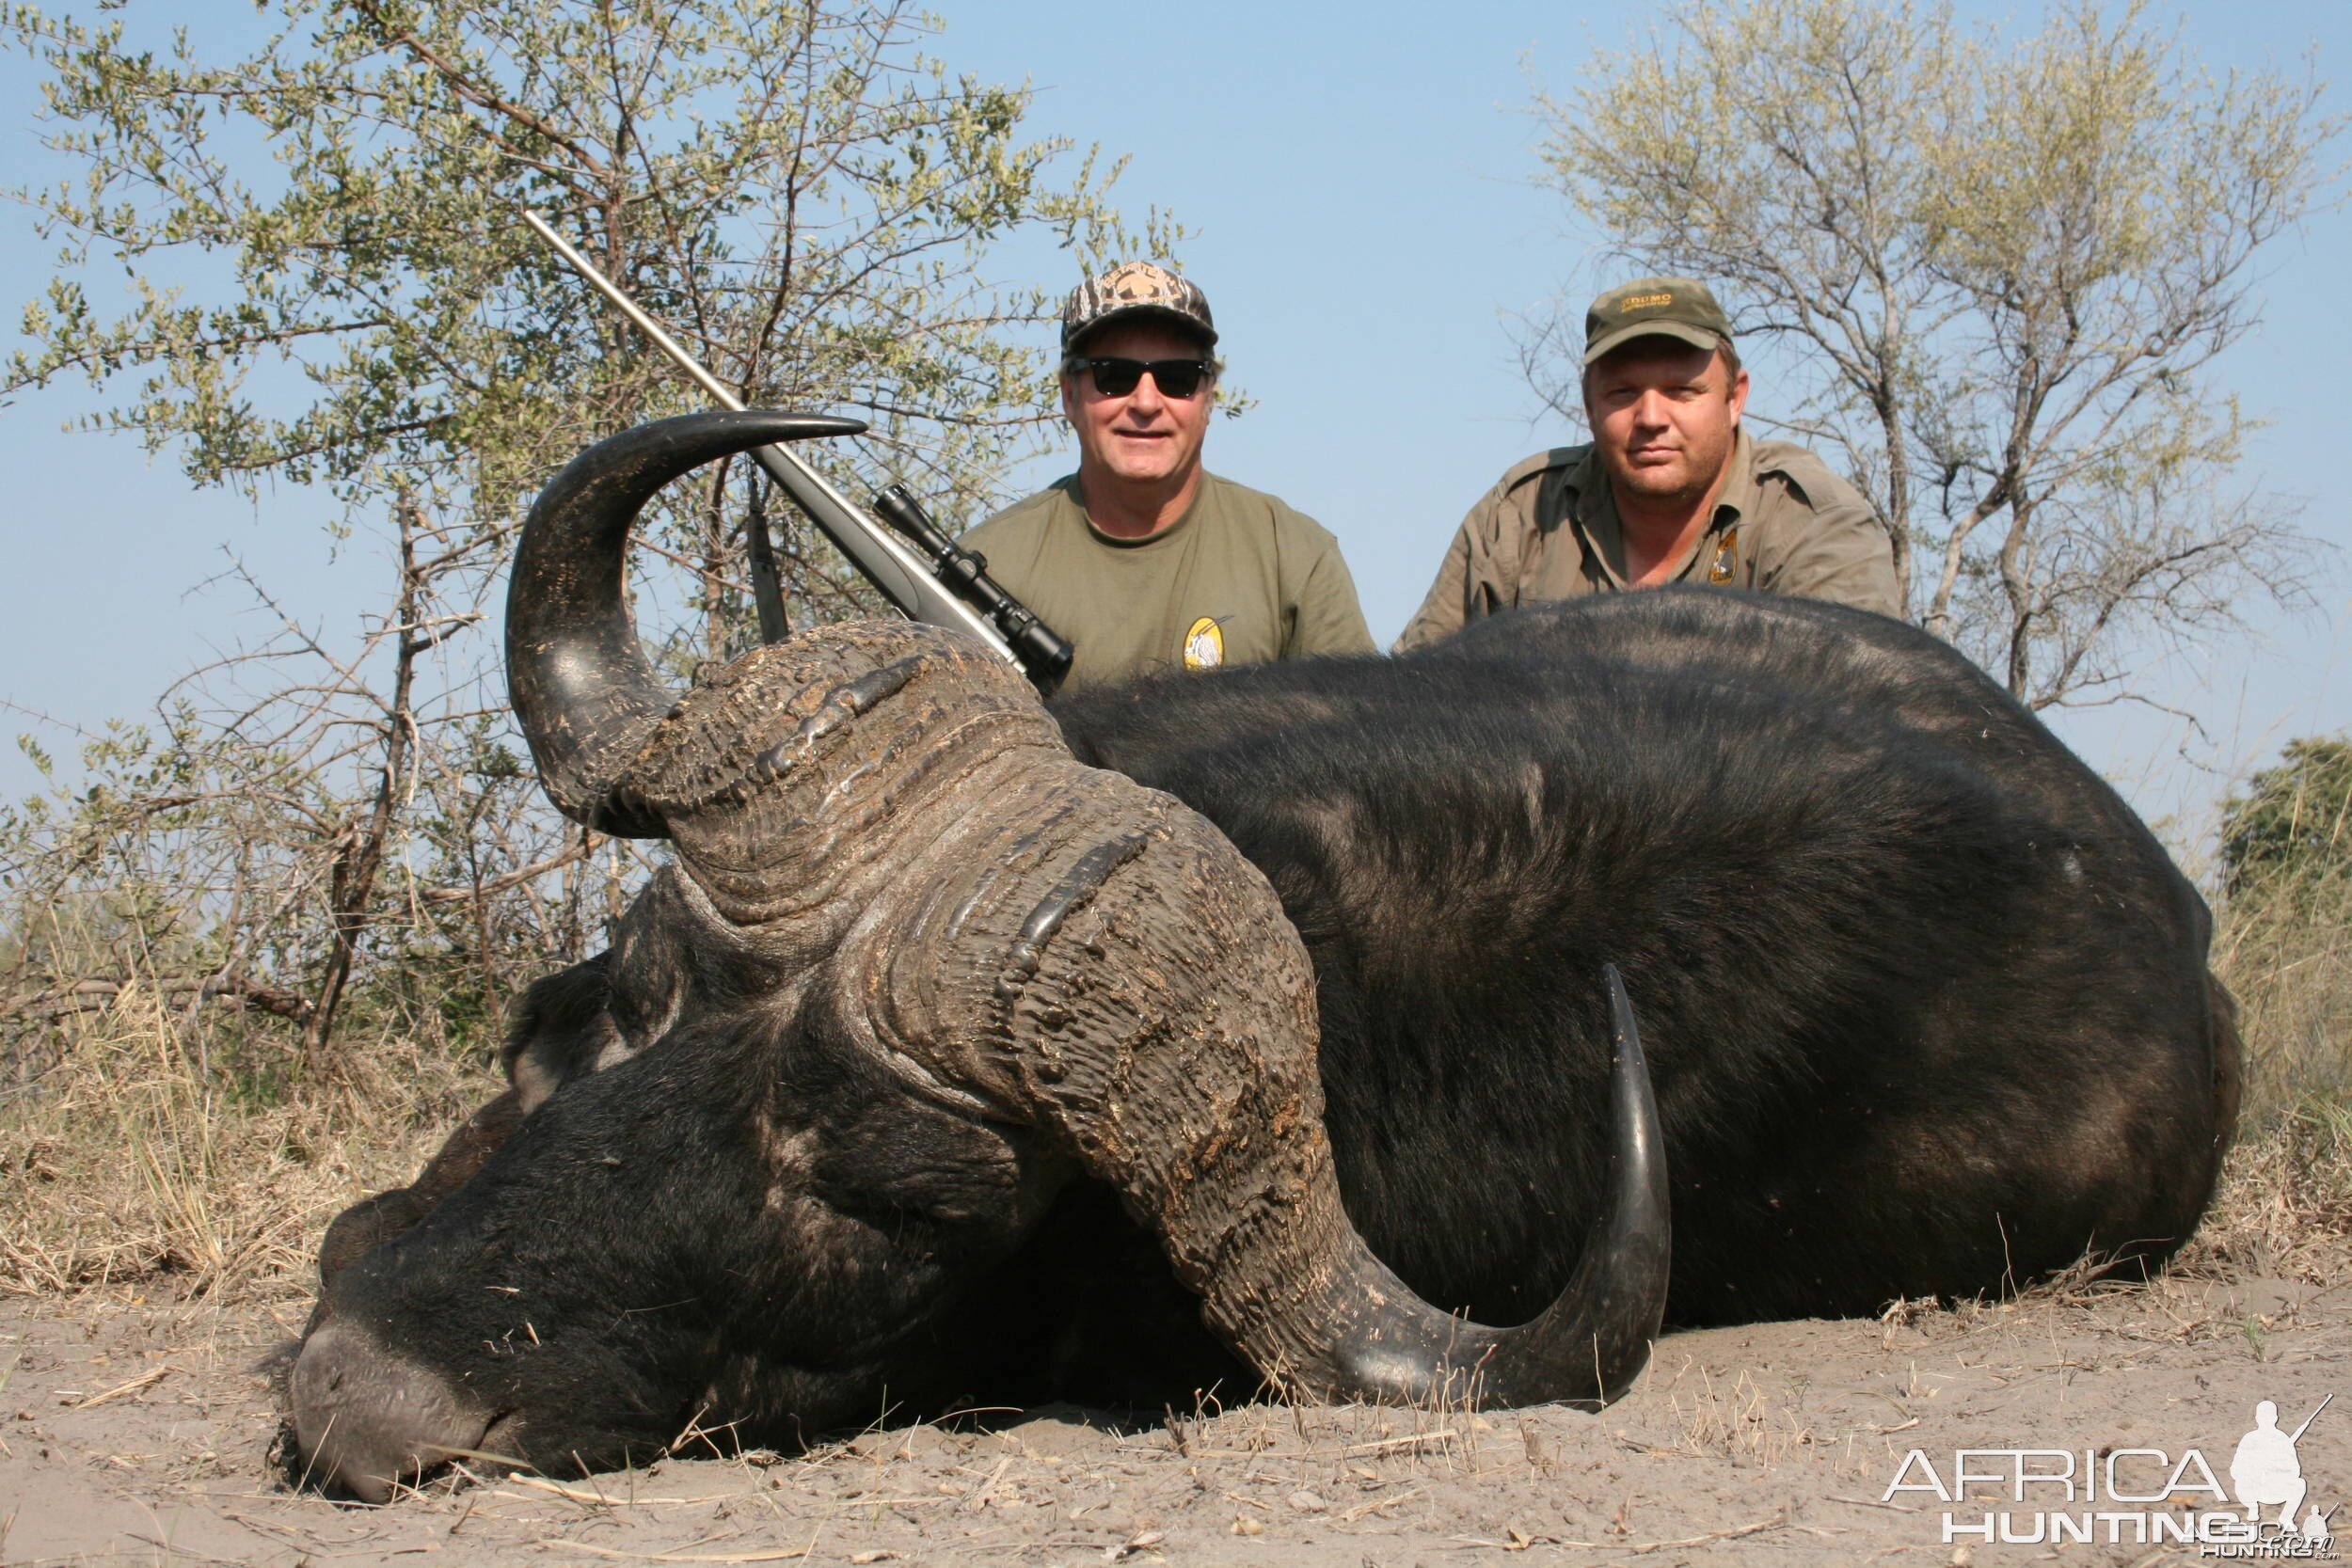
(1670, 489)
(1143, 559)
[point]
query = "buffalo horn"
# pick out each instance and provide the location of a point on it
(1100, 961)
(1161, 1013)
(580, 686)
(1595, 1339)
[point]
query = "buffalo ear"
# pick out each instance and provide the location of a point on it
(561, 1027)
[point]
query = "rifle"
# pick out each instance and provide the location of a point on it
(936, 581)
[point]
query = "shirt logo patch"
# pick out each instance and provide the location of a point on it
(1204, 645)
(1726, 562)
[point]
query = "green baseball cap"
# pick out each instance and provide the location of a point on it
(1677, 308)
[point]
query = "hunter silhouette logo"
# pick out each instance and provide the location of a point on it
(2266, 1472)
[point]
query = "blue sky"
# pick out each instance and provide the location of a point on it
(1366, 225)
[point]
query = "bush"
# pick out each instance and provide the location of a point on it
(2285, 940)
(2291, 832)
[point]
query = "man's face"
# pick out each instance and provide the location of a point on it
(1145, 436)
(1664, 416)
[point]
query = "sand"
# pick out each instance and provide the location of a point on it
(134, 1428)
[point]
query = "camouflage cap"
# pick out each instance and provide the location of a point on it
(1677, 308)
(1135, 289)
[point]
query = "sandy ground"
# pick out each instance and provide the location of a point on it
(139, 1430)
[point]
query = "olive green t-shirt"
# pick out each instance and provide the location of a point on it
(1239, 579)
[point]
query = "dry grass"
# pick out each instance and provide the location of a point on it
(1735, 1417)
(127, 1161)
(2284, 946)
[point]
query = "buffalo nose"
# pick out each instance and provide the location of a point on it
(366, 1420)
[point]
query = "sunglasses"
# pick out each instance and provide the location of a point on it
(1175, 378)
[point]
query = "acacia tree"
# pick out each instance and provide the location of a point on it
(2004, 267)
(329, 286)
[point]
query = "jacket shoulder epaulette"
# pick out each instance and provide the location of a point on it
(1815, 482)
(1542, 463)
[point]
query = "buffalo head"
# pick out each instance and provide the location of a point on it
(916, 969)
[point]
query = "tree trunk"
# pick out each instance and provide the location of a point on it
(1890, 411)
(351, 885)
(2017, 591)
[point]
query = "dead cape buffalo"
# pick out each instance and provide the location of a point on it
(965, 1048)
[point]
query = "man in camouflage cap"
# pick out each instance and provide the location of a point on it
(1670, 489)
(1144, 559)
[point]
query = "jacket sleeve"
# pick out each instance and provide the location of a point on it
(1842, 553)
